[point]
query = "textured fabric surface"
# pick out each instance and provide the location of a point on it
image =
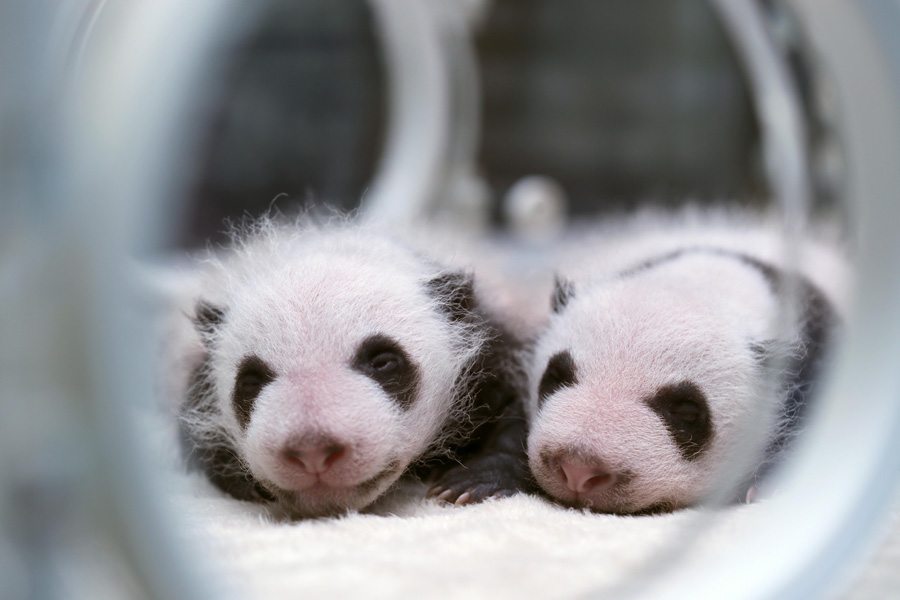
(519, 547)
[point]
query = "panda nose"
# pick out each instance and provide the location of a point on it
(582, 476)
(314, 457)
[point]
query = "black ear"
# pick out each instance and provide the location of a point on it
(455, 291)
(207, 317)
(563, 290)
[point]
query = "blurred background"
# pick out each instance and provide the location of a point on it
(621, 103)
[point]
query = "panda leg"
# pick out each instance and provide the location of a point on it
(498, 468)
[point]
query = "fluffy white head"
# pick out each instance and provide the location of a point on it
(641, 384)
(332, 364)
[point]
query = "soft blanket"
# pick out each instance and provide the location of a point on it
(407, 547)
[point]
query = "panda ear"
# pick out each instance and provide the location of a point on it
(207, 317)
(563, 291)
(455, 292)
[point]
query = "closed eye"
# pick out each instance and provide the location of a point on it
(386, 362)
(688, 412)
(684, 411)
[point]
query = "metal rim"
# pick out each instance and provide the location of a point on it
(836, 526)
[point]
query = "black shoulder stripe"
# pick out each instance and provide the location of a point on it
(772, 274)
(817, 319)
(654, 262)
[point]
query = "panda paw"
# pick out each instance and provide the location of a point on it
(471, 483)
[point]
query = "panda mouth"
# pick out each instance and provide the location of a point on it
(617, 504)
(321, 499)
(318, 485)
(372, 483)
(614, 498)
(656, 509)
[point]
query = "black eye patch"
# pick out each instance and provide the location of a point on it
(384, 360)
(252, 376)
(685, 412)
(560, 373)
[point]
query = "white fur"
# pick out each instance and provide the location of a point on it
(303, 297)
(691, 319)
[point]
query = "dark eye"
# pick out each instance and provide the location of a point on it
(688, 412)
(252, 376)
(250, 383)
(387, 362)
(560, 373)
(685, 412)
(384, 360)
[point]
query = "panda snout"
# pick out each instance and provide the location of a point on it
(314, 456)
(580, 475)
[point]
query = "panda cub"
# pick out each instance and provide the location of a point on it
(664, 357)
(329, 360)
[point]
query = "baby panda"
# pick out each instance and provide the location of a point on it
(664, 357)
(329, 360)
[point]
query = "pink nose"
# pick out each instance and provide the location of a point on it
(582, 477)
(314, 458)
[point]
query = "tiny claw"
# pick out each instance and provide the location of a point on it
(445, 494)
(503, 494)
(462, 499)
(752, 494)
(434, 491)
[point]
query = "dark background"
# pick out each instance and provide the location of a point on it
(621, 102)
